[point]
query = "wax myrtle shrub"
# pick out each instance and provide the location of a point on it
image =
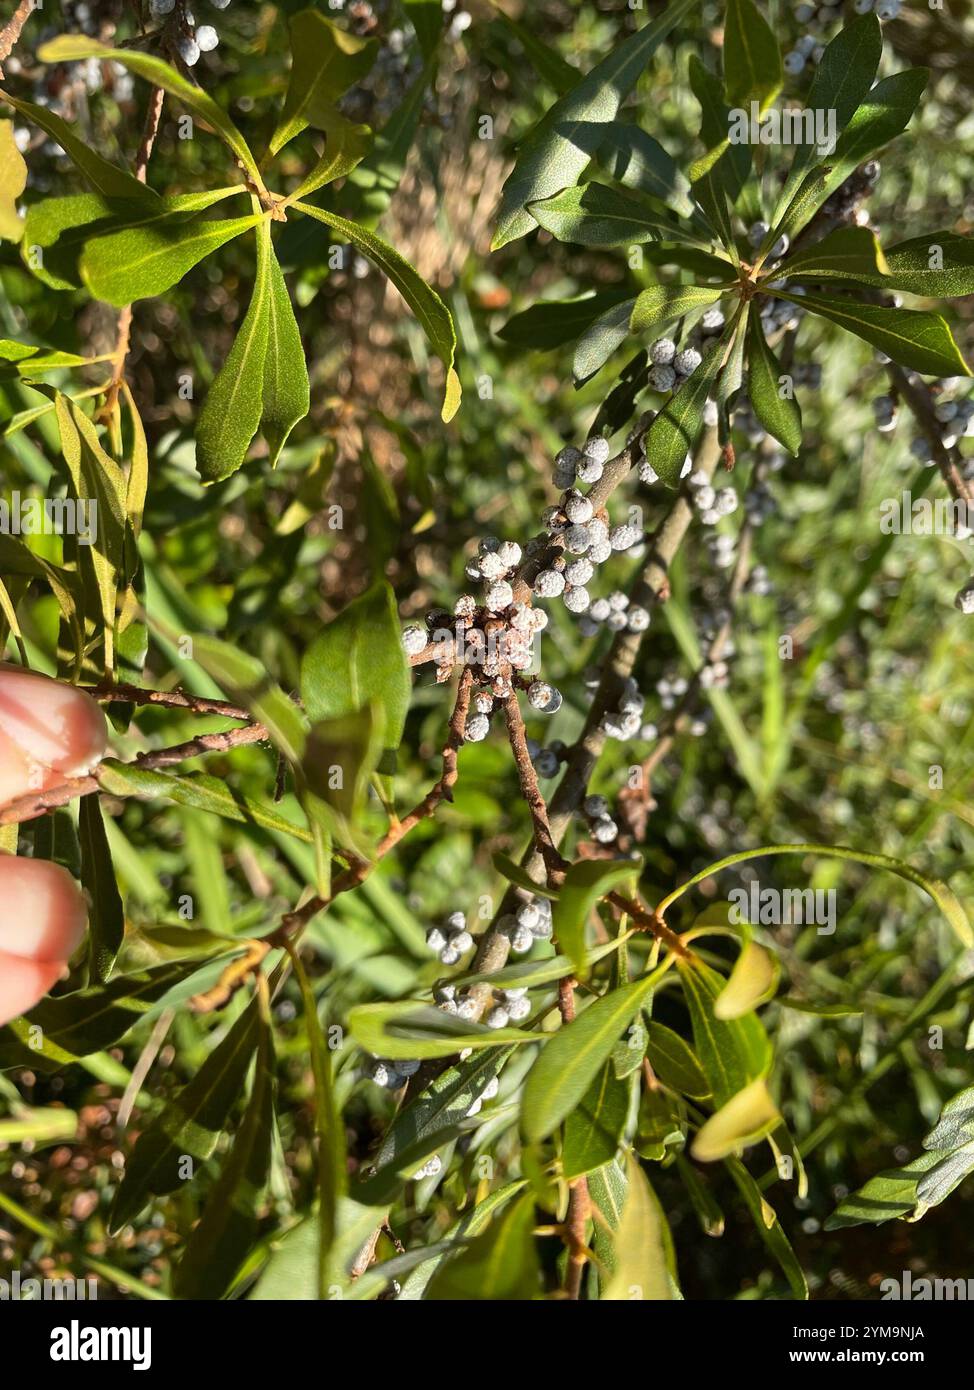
(333, 1031)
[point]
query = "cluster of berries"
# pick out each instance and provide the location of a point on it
(603, 828)
(530, 923)
(392, 1075)
(189, 39)
(547, 759)
(626, 720)
(616, 613)
(711, 503)
(452, 940)
(507, 1006)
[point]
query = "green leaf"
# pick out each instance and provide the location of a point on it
(660, 304)
(471, 1224)
(143, 261)
(346, 145)
(89, 1020)
(572, 1058)
(189, 1125)
(594, 214)
(925, 1181)
(637, 161)
(499, 1265)
(106, 916)
(325, 62)
(224, 1236)
(105, 178)
(727, 165)
(425, 303)
(292, 1272)
(594, 1129)
(752, 59)
(600, 340)
(340, 756)
(644, 1263)
(244, 680)
(70, 48)
(769, 1228)
(744, 1119)
(849, 253)
(329, 1128)
(56, 229)
(442, 1105)
(675, 1062)
(549, 158)
(704, 1203)
(410, 1028)
(357, 659)
(913, 337)
(734, 1052)
(286, 395)
(841, 81)
(196, 789)
(94, 475)
(426, 17)
(752, 982)
(13, 181)
(661, 1125)
(585, 885)
(551, 324)
(674, 432)
(939, 264)
(234, 403)
(780, 415)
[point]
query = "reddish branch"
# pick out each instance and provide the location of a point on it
(10, 32)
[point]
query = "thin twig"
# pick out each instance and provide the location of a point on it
(10, 32)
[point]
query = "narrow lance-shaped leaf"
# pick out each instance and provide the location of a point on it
(346, 145)
(913, 337)
(59, 1031)
(286, 395)
(106, 919)
(76, 48)
(661, 304)
(768, 1226)
(600, 340)
(105, 178)
(358, 658)
(500, 1265)
(752, 58)
(552, 323)
(594, 1129)
(425, 303)
(586, 883)
(218, 1245)
(571, 1060)
(325, 62)
(637, 161)
(190, 1124)
(842, 79)
(548, 158)
(940, 264)
(677, 426)
(732, 1052)
(644, 1261)
(410, 1028)
(849, 253)
(234, 403)
(772, 394)
(595, 214)
(752, 982)
(144, 261)
(727, 164)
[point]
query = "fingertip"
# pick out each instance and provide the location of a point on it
(51, 723)
(43, 912)
(23, 983)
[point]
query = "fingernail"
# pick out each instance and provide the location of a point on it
(51, 723)
(43, 912)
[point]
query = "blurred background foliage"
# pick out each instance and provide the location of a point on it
(837, 743)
